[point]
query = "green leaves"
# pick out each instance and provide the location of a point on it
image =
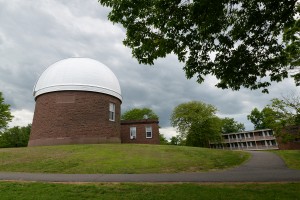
(5, 115)
(280, 113)
(12, 137)
(197, 122)
(231, 126)
(15, 137)
(239, 42)
(291, 37)
(138, 114)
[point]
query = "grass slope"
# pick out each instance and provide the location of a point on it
(290, 157)
(117, 158)
(11, 190)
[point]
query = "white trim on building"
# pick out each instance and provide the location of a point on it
(248, 140)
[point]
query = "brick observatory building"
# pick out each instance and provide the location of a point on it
(78, 101)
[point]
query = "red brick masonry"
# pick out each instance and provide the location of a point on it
(294, 132)
(140, 131)
(74, 117)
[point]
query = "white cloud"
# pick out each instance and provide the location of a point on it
(168, 132)
(21, 118)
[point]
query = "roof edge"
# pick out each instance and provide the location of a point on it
(86, 88)
(142, 121)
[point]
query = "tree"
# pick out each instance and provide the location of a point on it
(139, 113)
(162, 139)
(5, 115)
(280, 113)
(291, 37)
(15, 137)
(256, 117)
(197, 123)
(177, 140)
(239, 42)
(174, 140)
(231, 126)
(289, 107)
(267, 118)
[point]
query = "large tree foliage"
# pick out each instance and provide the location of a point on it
(229, 125)
(239, 42)
(15, 137)
(280, 113)
(197, 123)
(292, 39)
(266, 118)
(5, 115)
(139, 113)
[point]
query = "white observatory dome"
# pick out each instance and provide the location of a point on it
(80, 74)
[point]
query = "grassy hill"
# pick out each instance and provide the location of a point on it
(117, 158)
(290, 157)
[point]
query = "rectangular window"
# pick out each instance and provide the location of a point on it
(270, 133)
(148, 132)
(132, 133)
(112, 108)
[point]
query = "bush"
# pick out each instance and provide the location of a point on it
(15, 137)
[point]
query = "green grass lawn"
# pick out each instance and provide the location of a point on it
(117, 158)
(290, 157)
(51, 191)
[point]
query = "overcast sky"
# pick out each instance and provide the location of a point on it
(35, 34)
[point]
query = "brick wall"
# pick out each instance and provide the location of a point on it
(140, 131)
(294, 131)
(72, 117)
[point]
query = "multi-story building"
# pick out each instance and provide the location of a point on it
(248, 140)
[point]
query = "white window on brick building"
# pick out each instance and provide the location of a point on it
(148, 131)
(112, 110)
(132, 132)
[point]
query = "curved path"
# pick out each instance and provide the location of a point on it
(262, 167)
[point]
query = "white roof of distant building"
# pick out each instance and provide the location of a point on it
(80, 74)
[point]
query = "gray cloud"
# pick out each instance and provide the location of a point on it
(35, 34)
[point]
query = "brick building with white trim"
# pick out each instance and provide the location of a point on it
(78, 101)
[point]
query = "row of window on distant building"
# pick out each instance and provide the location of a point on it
(252, 140)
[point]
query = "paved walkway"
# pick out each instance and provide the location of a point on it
(262, 167)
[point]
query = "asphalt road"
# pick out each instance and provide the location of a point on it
(262, 167)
